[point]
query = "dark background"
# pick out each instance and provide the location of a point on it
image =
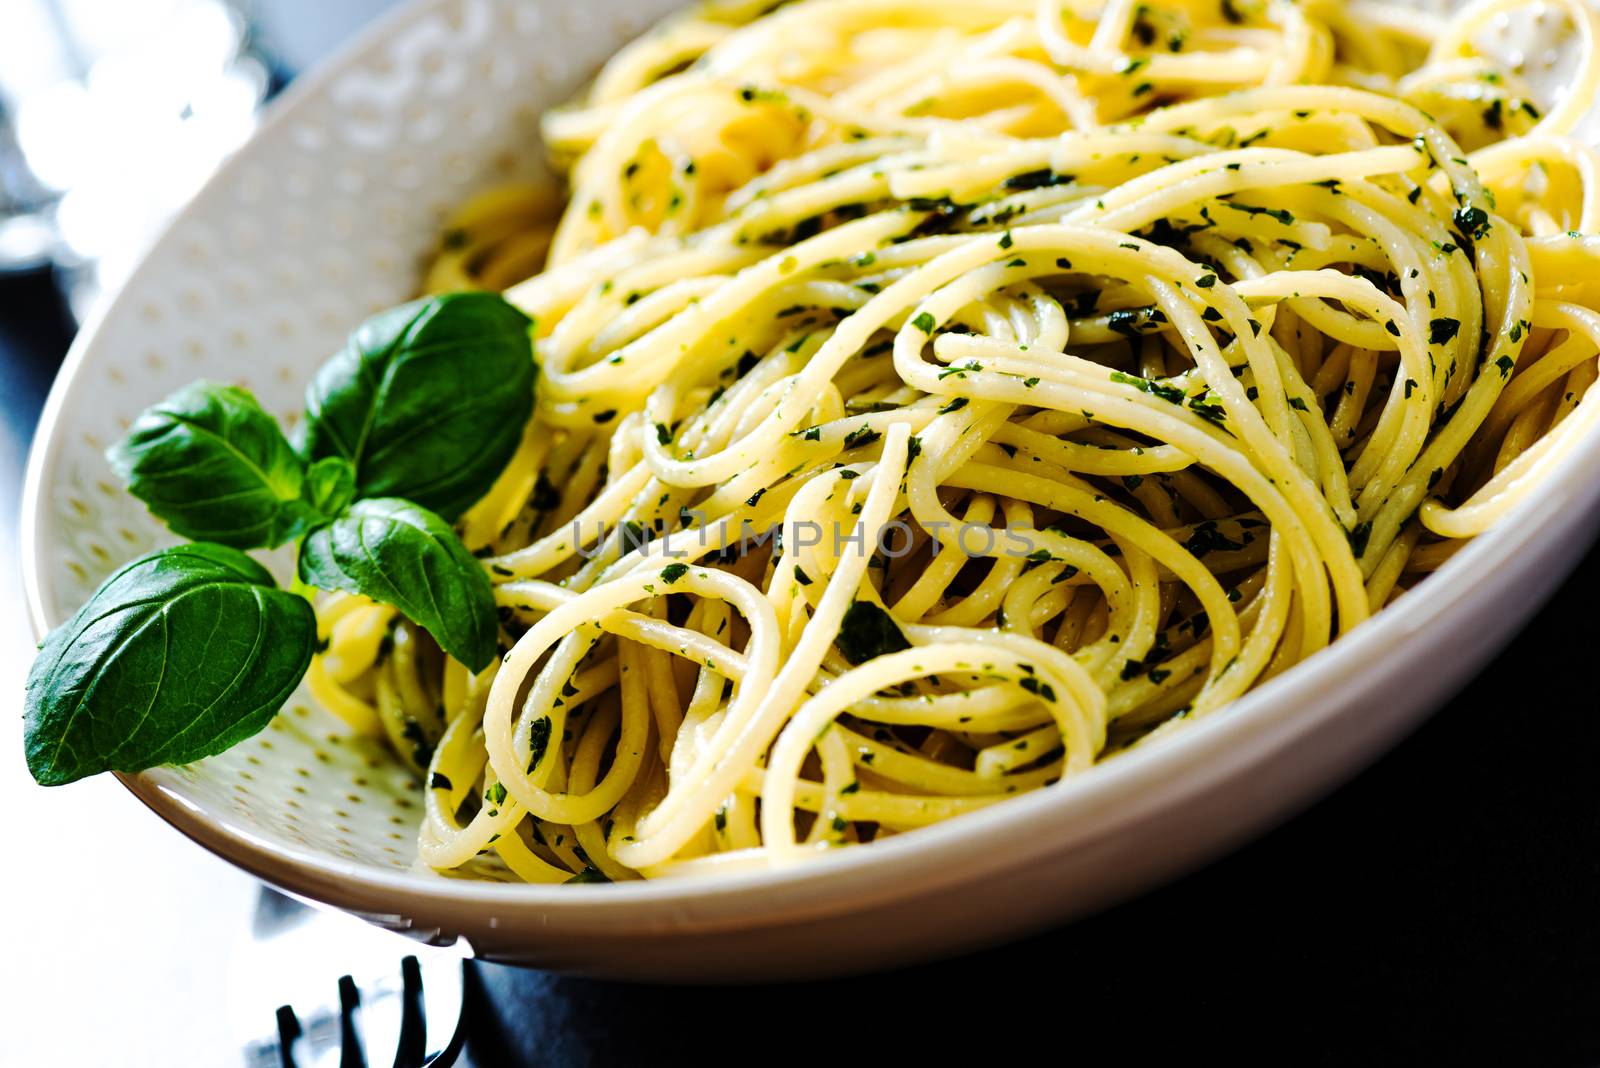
(1443, 906)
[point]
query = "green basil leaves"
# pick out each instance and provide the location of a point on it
(216, 467)
(179, 655)
(427, 401)
(185, 652)
(401, 554)
(330, 485)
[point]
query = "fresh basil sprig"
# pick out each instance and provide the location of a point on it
(427, 401)
(187, 651)
(393, 551)
(215, 466)
(179, 655)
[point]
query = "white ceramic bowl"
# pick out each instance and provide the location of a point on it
(323, 218)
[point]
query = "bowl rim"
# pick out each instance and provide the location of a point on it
(1081, 808)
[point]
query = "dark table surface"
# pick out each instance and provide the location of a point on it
(1445, 905)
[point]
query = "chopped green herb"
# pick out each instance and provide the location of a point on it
(538, 741)
(1034, 686)
(861, 437)
(1171, 394)
(867, 631)
(1473, 222)
(1206, 538)
(1358, 538)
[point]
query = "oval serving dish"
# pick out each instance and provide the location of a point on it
(326, 216)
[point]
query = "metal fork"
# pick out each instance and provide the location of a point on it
(413, 1046)
(418, 1012)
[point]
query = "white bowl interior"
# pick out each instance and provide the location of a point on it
(325, 217)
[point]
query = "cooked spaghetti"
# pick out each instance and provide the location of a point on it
(938, 398)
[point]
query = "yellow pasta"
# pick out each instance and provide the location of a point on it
(939, 398)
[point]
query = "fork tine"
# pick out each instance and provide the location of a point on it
(289, 1032)
(351, 1054)
(413, 1047)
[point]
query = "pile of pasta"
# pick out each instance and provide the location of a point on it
(939, 397)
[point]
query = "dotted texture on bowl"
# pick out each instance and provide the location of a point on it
(326, 216)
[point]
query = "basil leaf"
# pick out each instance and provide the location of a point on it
(216, 467)
(180, 654)
(330, 486)
(403, 555)
(427, 400)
